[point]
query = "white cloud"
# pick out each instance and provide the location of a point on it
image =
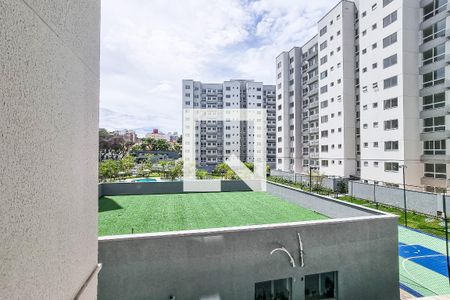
(149, 46)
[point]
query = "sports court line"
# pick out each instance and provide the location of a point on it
(424, 257)
(410, 290)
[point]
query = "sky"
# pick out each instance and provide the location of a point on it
(149, 46)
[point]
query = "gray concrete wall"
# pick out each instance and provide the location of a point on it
(328, 182)
(49, 89)
(161, 187)
(330, 207)
(226, 263)
(422, 202)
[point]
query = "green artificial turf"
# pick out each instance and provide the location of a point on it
(157, 213)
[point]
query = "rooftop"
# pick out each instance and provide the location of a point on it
(174, 212)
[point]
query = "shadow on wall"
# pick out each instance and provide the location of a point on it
(107, 204)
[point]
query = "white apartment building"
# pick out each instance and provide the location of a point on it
(215, 140)
(337, 111)
(382, 95)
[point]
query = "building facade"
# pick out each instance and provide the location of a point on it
(381, 94)
(216, 140)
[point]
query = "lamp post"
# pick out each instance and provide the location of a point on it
(404, 193)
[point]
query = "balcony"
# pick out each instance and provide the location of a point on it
(435, 65)
(441, 111)
(437, 159)
(314, 117)
(433, 43)
(432, 19)
(436, 182)
(434, 89)
(314, 130)
(435, 135)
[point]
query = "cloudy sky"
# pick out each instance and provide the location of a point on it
(149, 46)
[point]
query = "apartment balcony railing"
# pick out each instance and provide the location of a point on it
(434, 63)
(435, 15)
(313, 79)
(438, 159)
(426, 91)
(435, 135)
(436, 182)
(314, 155)
(430, 113)
(313, 104)
(314, 130)
(314, 117)
(314, 143)
(426, 45)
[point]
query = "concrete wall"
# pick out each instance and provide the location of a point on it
(49, 89)
(226, 263)
(330, 207)
(422, 202)
(163, 187)
(328, 182)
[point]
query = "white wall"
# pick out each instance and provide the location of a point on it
(49, 89)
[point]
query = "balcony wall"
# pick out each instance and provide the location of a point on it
(225, 263)
(49, 95)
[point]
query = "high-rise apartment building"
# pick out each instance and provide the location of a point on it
(216, 140)
(381, 93)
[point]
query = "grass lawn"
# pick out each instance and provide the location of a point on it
(157, 213)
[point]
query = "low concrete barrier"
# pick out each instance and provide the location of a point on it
(162, 187)
(226, 263)
(422, 202)
(330, 207)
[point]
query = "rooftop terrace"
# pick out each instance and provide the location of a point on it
(174, 212)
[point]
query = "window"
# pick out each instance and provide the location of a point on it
(435, 171)
(324, 164)
(374, 26)
(375, 124)
(390, 103)
(324, 89)
(323, 45)
(281, 287)
(389, 40)
(386, 2)
(434, 8)
(374, 46)
(364, 14)
(375, 144)
(324, 104)
(434, 78)
(366, 164)
(389, 61)
(374, 6)
(390, 82)
(434, 101)
(279, 64)
(324, 133)
(374, 65)
(323, 30)
(434, 31)
(391, 167)
(433, 55)
(391, 146)
(391, 124)
(324, 148)
(364, 51)
(323, 119)
(391, 18)
(323, 60)
(324, 74)
(434, 124)
(375, 105)
(434, 147)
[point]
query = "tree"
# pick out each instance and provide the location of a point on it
(221, 169)
(108, 169)
(127, 163)
(230, 174)
(176, 170)
(201, 174)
